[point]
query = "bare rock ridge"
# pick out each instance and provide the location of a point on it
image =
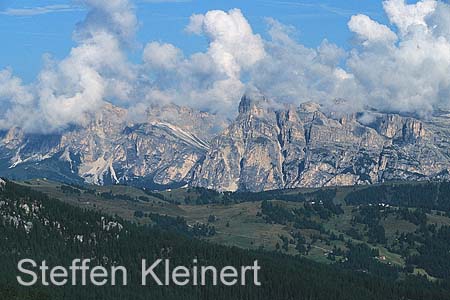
(111, 150)
(264, 148)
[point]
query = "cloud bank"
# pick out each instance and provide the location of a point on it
(412, 74)
(398, 67)
(210, 80)
(69, 91)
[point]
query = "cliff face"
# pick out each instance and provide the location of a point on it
(304, 147)
(262, 149)
(111, 150)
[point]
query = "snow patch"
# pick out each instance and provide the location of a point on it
(184, 135)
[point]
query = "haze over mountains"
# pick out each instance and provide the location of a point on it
(262, 149)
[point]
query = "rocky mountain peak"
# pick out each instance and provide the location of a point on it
(310, 147)
(265, 147)
(13, 137)
(253, 103)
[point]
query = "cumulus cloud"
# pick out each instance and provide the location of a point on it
(439, 20)
(72, 89)
(208, 80)
(162, 56)
(370, 31)
(233, 45)
(401, 67)
(405, 15)
(15, 99)
(411, 76)
(69, 91)
(116, 17)
(293, 73)
(12, 89)
(403, 72)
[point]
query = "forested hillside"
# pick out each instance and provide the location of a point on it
(35, 226)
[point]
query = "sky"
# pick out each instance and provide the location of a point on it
(31, 28)
(61, 62)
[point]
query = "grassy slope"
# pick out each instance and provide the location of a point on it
(236, 224)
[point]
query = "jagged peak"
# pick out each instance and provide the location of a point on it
(252, 98)
(112, 112)
(13, 137)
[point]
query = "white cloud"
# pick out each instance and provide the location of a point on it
(16, 100)
(162, 56)
(12, 89)
(196, 24)
(439, 20)
(39, 10)
(411, 76)
(117, 17)
(370, 31)
(405, 15)
(208, 80)
(68, 91)
(404, 68)
(406, 73)
(95, 70)
(233, 45)
(293, 73)
(71, 89)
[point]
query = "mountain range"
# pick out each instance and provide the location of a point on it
(265, 147)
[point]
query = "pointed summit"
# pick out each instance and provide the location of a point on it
(252, 98)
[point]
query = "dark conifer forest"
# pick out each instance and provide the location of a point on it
(35, 226)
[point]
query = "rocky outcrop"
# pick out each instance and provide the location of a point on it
(111, 150)
(304, 147)
(266, 147)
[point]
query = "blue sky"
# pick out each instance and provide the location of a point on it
(391, 55)
(27, 35)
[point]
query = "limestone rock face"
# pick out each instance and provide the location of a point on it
(266, 147)
(111, 150)
(304, 147)
(246, 155)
